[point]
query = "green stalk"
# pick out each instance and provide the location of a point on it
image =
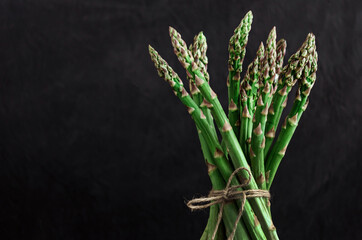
(291, 122)
(198, 50)
(266, 80)
(249, 91)
(237, 156)
(166, 72)
(211, 224)
(216, 180)
(255, 230)
(230, 210)
(270, 134)
(237, 50)
(288, 77)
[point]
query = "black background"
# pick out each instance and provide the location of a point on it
(93, 144)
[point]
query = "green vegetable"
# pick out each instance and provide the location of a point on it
(288, 77)
(249, 92)
(237, 50)
(291, 122)
(266, 81)
(166, 72)
(237, 156)
(255, 107)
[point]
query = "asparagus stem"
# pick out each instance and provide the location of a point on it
(266, 80)
(198, 50)
(288, 77)
(291, 122)
(165, 71)
(208, 160)
(281, 49)
(209, 229)
(230, 211)
(248, 91)
(218, 183)
(237, 50)
(237, 156)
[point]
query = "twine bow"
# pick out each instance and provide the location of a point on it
(224, 196)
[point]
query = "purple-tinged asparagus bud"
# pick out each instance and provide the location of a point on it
(232, 106)
(260, 101)
(180, 47)
(270, 133)
(265, 110)
(297, 62)
(284, 104)
(281, 49)
(305, 105)
(246, 113)
(212, 94)
(293, 120)
(193, 89)
(271, 109)
(190, 109)
(238, 41)
(227, 127)
(257, 131)
(205, 103)
(184, 93)
(198, 51)
(262, 145)
(251, 152)
(218, 153)
(283, 91)
(271, 51)
(163, 69)
(284, 149)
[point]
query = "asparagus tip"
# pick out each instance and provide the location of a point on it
(249, 15)
(150, 48)
(273, 33)
(281, 44)
(171, 30)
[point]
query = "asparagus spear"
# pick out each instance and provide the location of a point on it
(288, 77)
(248, 91)
(215, 178)
(291, 122)
(255, 235)
(266, 80)
(166, 72)
(198, 50)
(209, 230)
(237, 50)
(225, 128)
(230, 211)
(281, 48)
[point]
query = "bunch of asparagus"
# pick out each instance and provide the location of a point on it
(256, 104)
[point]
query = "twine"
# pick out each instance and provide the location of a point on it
(228, 194)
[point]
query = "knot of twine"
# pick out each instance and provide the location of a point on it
(228, 194)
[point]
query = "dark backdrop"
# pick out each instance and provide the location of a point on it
(93, 145)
